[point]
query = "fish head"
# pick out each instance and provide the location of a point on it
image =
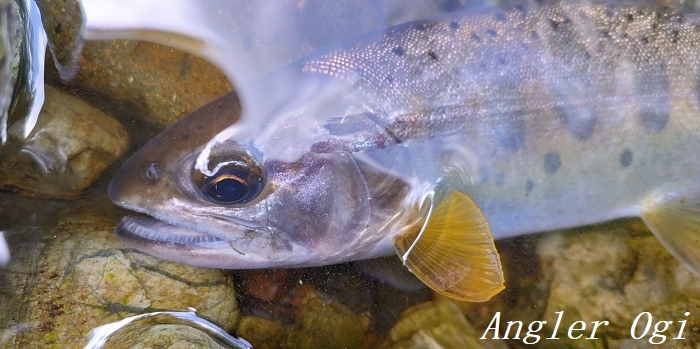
(245, 208)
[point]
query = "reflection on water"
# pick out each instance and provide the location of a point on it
(100, 335)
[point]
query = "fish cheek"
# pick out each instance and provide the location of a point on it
(320, 200)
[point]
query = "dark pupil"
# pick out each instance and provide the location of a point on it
(229, 190)
(231, 185)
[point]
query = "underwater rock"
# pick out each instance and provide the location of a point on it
(324, 324)
(265, 284)
(616, 273)
(304, 317)
(62, 20)
(77, 276)
(436, 324)
(157, 84)
(68, 149)
(261, 333)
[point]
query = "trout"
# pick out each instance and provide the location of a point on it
(432, 138)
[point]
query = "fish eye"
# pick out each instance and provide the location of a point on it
(231, 184)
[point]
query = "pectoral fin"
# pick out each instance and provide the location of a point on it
(677, 226)
(454, 254)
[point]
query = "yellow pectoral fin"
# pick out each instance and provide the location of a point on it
(677, 226)
(455, 254)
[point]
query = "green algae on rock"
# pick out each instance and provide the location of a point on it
(68, 149)
(78, 276)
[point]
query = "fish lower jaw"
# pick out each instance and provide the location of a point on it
(157, 231)
(183, 245)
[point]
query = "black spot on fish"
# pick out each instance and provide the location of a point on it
(653, 120)
(510, 132)
(579, 121)
(491, 32)
(454, 25)
(421, 27)
(498, 179)
(652, 90)
(528, 186)
(432, 55)
(499, 16)
(578, 117)
(654, 26)
(559, 24)
(645, 40)
(397, 51)
(675, 36)
(484, 174)
(626, 158)
(476, 37)
(551, 162)
(630, 17)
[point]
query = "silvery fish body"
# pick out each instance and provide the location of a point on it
(548, 118)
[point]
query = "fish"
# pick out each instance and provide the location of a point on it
(431, 139)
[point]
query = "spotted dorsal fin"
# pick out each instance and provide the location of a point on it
(677, 226)
(454, 253)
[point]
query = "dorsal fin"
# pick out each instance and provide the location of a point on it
(454, 253)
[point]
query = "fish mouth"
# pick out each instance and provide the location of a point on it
(152, 230)
(184, 245)
(180, 244)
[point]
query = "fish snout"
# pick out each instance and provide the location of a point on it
(134, 180)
